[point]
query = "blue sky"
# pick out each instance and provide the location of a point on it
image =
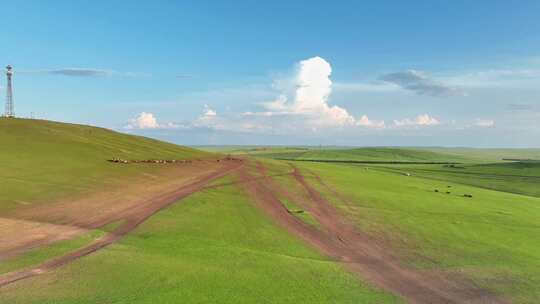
(414, 73)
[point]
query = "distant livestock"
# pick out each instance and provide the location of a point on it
(163, 161)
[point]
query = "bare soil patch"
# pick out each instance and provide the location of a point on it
(17, 236)
(140, 206)
(108, 205)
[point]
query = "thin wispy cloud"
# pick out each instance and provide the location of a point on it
(375, 86)
(420, 83)
(496, 78)
(84, 72)
(484, 123)
(80, 72)
(185, 76)
(527, 107)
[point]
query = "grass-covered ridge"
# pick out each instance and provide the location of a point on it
(45, 160)
(382, 154)
(407, 155)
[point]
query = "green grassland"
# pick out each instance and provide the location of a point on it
(39, 255)
(217, 246)
(213, 247)
(514, 177)
(44, 160)
(489, 155)
(492, 237)
(381, 154)
(364, 155)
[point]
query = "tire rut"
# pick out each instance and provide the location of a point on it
(131, 219)
(365, 255)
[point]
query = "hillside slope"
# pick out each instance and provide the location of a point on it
(489, 155)
(381, 154)
(42, 160)
(89, 230)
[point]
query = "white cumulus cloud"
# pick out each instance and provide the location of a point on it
(365, 121)
(420, 120)
(209, 119)
(208, 112)
(148, 121)
(310, 99)
(143, 121)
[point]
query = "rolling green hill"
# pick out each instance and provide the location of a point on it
(365, 155)
(381, 154)
(488, 155)
(213, 246)
(217, 245)
(45, 160)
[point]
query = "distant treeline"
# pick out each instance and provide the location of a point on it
(373, 161)
(528, 160)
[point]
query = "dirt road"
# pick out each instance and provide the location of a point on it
(364, 255)
(130, 218)
(367, 256)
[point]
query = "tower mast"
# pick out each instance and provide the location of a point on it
(9, 93)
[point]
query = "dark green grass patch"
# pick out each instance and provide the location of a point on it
(397, 155)
(488, 155)
(300, 213)
(515, 177)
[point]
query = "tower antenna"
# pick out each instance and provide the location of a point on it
(9, 93)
